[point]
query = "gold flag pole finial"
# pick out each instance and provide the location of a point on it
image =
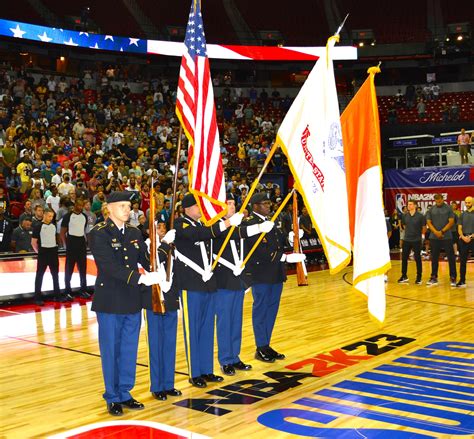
(374, 69)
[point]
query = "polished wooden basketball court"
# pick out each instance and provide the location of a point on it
(51, 378)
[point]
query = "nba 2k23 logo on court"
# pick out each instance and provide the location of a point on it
(430, 390)
(274, 383)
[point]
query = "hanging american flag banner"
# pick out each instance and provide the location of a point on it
(197, 113)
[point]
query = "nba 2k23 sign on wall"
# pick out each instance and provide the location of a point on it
(428, 393)
(421, 184)
(274, 383)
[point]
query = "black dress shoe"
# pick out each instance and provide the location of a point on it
(161, 396)
(84, 295)
(242, 366)
(114, 409)
(276, 355)
(173, 392)
(198, 382)
(228, 369)
(211, 378)
(132, 404)
(262, 355)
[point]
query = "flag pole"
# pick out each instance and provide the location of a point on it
(262, 235)
(173, 200)
(246, 201)
(341, 25)
(301, 274)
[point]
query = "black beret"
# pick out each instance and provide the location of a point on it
(116, 196)
(258, 198)
(188, 201)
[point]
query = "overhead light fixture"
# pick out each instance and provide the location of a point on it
(361, 44)
(459, 38)
(62, 58)
(24, 53)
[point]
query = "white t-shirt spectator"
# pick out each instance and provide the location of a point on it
(111, 173)
(435, 90)
(266, 125)
(52, 85)
(78, 128)
(53, 201)
(56, 179)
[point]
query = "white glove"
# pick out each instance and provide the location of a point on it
(291, 236)
(207, 275)
(165, 285)
(238, 270)
(293, 258)
(266, 226)
(236, 219)
(169, 236)
(147, 242)
(149, 278)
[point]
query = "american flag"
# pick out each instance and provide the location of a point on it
(197, 114)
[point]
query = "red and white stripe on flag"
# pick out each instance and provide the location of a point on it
(197, 113)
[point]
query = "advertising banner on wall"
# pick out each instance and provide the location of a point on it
(421, 184)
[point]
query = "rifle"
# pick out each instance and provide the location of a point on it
(157, 298)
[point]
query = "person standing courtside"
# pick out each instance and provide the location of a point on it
(414, 226)
(229, 298)
(162, 328)
(45, 242)
(117, 248)
(73, 237)
(466, 239)
(197, 285)
(440, 220)
(266, 272)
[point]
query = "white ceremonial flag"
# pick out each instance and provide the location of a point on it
(311, 138)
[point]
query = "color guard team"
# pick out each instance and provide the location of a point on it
(208, 298)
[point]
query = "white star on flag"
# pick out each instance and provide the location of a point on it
(44, 38)
(84, 33)
(109, 37)
(17, 32)
(134, 41)
(96, 46)
(70, 42)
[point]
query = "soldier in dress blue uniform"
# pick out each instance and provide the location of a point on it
(197, 285)
(229, 298)
(266, 272)
(162, 328)
(118, 248)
